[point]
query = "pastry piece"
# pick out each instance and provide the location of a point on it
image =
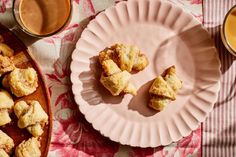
(116, 83)
(115, 80)
(29, 148)
(125, 56)
(161, 88)
(158, 103)
(172, 79)
(6, 104)
(3, 153)
(22, 82)
(110, 67)
(140, 62)
(6, 65)
(5, 50)
(130, 89)
(107, 54)
(164, 90)
(5, 82)
(4, 117)
(31, 116)
(6, 143)
(36, 129)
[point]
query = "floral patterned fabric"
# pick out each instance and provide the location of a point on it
(72, 135)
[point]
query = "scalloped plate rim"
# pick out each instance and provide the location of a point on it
(139, 145)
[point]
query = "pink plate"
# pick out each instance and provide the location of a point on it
(168, 36)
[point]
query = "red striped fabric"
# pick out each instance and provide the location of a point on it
(219, 130)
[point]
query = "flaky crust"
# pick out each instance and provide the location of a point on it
(6, 65)
(29, 148)
(6, 142)
(22, 82)
(164, 89)
(127, 57)
(31, 116)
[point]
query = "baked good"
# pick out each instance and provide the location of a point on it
(22, 82)
(5, 50)
(6, 143)
(31, 116)
(6, 65)
(29, 148)
(3, 153)
(172, 79)
(115, 80)
(6, 104)
(127, 57)
(161, 88)
(164, 89)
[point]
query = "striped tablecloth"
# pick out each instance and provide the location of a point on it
(74, 137)
(219, 130)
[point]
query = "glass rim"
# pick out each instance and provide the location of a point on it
(223, 31)
(24, 29)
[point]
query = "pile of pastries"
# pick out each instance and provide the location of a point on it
(119, 60)
(18, 83)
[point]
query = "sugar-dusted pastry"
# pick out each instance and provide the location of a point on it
(31, 116)
(6, 104)
(6, 143)
(5, 50)
(164, 90)
(22, 82)
(125, 56)
(29, 148)
(115, 80)
(6, 65)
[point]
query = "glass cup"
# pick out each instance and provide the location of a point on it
(224, 37)
(22, 26)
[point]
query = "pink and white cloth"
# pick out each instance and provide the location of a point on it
(73, 136)
(219, 129)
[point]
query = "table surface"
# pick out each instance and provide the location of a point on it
(72, 134)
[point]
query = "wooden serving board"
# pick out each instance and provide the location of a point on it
(23, 59)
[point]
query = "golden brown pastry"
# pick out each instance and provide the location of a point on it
(5, 50)
(115, 80)
(6, 104)
(125, 56)
(172, 79)
(6, 65)
(29, 148)
(110, 67)
(5, 82)
(164, 90)
(22, 82)
(31, 116)
(3, 153)
(161, 88)
(6, 143)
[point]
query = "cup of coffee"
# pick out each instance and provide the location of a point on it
(228, 31)
(42, 18)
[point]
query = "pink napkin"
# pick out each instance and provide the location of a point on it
(219, 130)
